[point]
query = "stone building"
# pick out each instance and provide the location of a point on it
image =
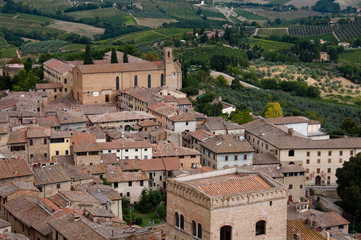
(39, 141)
(53, 90)
(228, 204)
(87, 88)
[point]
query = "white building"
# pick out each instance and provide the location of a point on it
(184, 122)
(128, 149)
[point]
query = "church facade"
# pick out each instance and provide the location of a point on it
(101, 82)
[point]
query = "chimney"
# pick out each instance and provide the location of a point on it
(291, 132)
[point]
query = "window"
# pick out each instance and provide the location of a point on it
(226, 158)
(31, 156)
(149, 81)
(65, 81)
(308, 154)
(58, 186)
(117, 83)
(245, 157)
(328, 170)
(329, 160)
(351, 153)
(194, 228)
(301, 186)
(66, 89)
(54, 89)
(45, 141)
(141, 183)
(235, 157)
(177, 220)
(130, 183)
(318, 170)
(128, 194)
(135, 81)
(40, 189)
(340, 160)
(266, 146)
(66, 152)
(187, 123)
(318, 161)
(261, 227)
(291, 153)
(162, 80)
(226, 233)
(308, 161)
(45, 155)
(329, 153)
(136, 149)
(56, 152)
(115, 185)
(319, 153)
(341, 153)
(199, 233)
(31, 142)
(182, 222)
(290, 186)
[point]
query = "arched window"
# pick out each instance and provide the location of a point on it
(149, 81)
(117, 83)
(176, 219)
(182, 222)
(194, 228)
(226, 233)
(261, 227)
(199, 235)
(291, 153)
(135, 81)
(162, 80)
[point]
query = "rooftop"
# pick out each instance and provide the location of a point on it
(12, 168)
(226, 144)
(49, 175)
(120, 116)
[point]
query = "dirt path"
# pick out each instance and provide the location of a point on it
(15, 17)
(255, 32)
(230, 78)
(227, 12)
(18, 53)
(334, 34)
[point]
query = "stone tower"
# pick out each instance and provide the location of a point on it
(172, 71)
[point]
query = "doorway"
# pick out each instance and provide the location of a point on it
(318, 181)
(106, 98)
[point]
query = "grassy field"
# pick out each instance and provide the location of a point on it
(148, 218)
(272, 15)
(269, 45)
(203, 54)
(78, 28)
(47, 6)
(325, 37)
(212, 12)
(248, 15)
(148, 6)
(350, 56)
(105, 14)
(180, 11)
(7, 52)
(24, 22)
(153, 22)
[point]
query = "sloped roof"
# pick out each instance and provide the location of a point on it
(125, 145)
(120, 67)
(59, 66)
(38, 132)
(18, 136)
(50, 121)
(50, 175)
(165, 149)
(120, 116)
(298, 228)
(226, 144)
(12, 168)
(9, 188)
(115, 174)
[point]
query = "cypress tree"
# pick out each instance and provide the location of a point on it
(88, 59)
(114, 58)
(125, 57)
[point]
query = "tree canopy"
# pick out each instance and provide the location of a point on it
(113, 57)
(272, 110)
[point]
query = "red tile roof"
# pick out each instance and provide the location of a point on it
(58, 65)
(41, 86)
(115, 174)
(12, 168)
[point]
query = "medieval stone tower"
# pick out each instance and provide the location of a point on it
(172, 70)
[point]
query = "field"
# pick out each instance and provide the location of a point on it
(272, 31)
(203, 54)
(42, 47)
(272, 15)
(78, 28)
(345, 3)
(104, 14)
(181, 11)
(304, 31)
(7, 52)
(212, 12)
(248, 15)
(47, 6)
(301, 3)
(350, 56)
(153, 22)
(269, 45)
(326, 37)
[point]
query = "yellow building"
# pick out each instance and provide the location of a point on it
(59, 143)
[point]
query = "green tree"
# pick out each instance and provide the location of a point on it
(88, 59)
(272, 110)
(350, 126)
(349, 185)
(45, 57)
(222, 82)
(125, 58)
(241, 117)
(113, 57)
(28, 64)
(151, 56)
(149, 200)
(24, 81)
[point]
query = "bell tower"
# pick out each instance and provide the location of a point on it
(172, 70)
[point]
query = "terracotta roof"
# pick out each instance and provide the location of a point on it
(125, 145)
(95, 169)
(4, 117)
(283, 140)
(4, 223)
(289, 120)
(70, 117)
(183, 117)
(77, 174)
(226, 144)
(229, 184)
(12, 168)
(108, 158)
(41, 86)
(201, 134)
(50, 121)
(163, 109)
(298, 228)
(183, 101)
(79, 197)
(264, 158)
(115, 174)
(59, 66)
(83, 138)
(50, 175)
(86, 148)
(13, 236)
(171, 163)
(129, 164)
(120, 67)
(148, 123)
(59, 134)
(120, 116)
(218, 123)
(9, 188)
(164, 149)
(4, 128)
(106, 190)
(38, 132)
(18, 136)
(98, 212)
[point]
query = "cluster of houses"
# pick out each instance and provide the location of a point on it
(223, 180)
